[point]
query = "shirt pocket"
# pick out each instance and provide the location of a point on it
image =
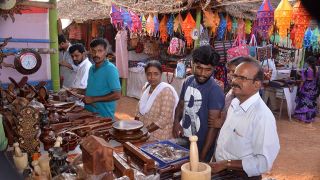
(240, 145)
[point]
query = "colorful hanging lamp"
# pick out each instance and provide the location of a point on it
(222, 27)
(163, 29)
(301, 20)
(282, 17)
(170, 25)
(265, 16)
(156, 24)
(143, 23)
(229, 23)
(150, 25)
(115, 15)
(187, 26)
(314, 40)
(177, 23)
(208, 18)
(241, 29)
(127, 21)
(307, 38)
(234, 25)
(248, 26)
(136, 23)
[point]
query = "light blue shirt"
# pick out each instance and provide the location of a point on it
(102, 81)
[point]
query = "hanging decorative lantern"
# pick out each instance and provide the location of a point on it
(241, 29)
(170, 25)
(127, 21)
(301, 20)
(136, 23)
(156, 24)
(208, 18)
(282, 17)
(234, 25)
(187, 26)
(143, 23)
(248, 26)
(314, 40)
(307, 39)
(265, 16)
(150, 25)
(163, 29)
(222, 27)
(116, 17)
(177, 23)
(229, 23)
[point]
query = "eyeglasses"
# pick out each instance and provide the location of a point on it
(242, 78)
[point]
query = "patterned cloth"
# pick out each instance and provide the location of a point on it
(306, 100)
(161, 113)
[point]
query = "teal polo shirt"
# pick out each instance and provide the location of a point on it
(103, 81)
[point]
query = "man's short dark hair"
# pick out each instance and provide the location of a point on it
(249, 60)
(78, 47)
(61, 39)
(206, 55)
(99, 41)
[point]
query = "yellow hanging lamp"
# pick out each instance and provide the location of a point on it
(282, 17)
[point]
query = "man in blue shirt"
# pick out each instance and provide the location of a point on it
(200, 104)
(103, 87)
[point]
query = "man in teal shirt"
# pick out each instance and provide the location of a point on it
(103, 87)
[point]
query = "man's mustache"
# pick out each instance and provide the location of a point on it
(235, 85)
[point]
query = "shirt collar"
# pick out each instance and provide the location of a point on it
(245, 105)
(106, 61)
(83, 62)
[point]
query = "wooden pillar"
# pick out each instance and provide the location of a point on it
(54, 58)
(124, 86)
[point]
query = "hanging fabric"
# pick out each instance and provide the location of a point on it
(163, 29)
(208, 17)
(222, 27)
(143, 23)
(314, 40)
(307, 39)
(127, 21)
(241, 29)
(204, 38)
(253, 46)
(234, 25)
(75, 32)
(239, 48)
(188, 25)
(156, 24)
(265, 17)
(229, 23)
(170, 25)
(122, 53)
(248, 26)
(115, 15)
(282, 17)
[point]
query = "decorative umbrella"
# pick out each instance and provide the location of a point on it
(301, 20)
(187, 26)
(265, 17)
(282, 17)
(222, 27)
(170, 25)
(163, 29)
(136, 23)
(115, 15)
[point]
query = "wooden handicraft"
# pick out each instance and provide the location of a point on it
(122, 168)
(129, 131)
(134, 154)
(97, 156)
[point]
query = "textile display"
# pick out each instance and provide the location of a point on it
(234, 25)
(177, 25)
(170, 25)
(221, 47)
(163, 29)
(241, 29)
(229, 23)
(122, 53)
(136, 23)
(264, 52)
(222, 27)
(239, 48)
(282, 17)
(176, 47)
(126, 17)
(286, 56)
(211, 20)
(156, 24)
(75, 32)
(150, 25)
(116, 17)
(204, 38)
(143, 23)
(265, 17)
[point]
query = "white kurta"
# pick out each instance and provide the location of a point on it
(68, 74)
(249, 134)
(81, 78)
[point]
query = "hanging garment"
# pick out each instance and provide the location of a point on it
(122, 53)
(75, 32)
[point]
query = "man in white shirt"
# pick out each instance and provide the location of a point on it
(67, 67)
(248, 142)
(78, 54)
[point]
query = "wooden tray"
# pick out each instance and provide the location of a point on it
(123, 136)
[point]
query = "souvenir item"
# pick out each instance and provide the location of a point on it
(204, 38)
(7, 4)
(187, 26)
(282, 17)
(20, 159)
(27, 62)
(176, 47)
(222, 27)
(241, 29)
(229, 23)
(170, 25)
(177, 23)
(47, 137)
(253, 46)
(239, 48)
(136, 23)
(234, 25)
(180, 70)
(248, 26)
(163, 29)
(301, 20)
(143, 23)
(265, 16)
(122, 167)
(156, 24)
(264, 53)
(116, 17)
(126, 17)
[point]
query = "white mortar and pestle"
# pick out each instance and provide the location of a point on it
(20, 159)
(195, 169)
